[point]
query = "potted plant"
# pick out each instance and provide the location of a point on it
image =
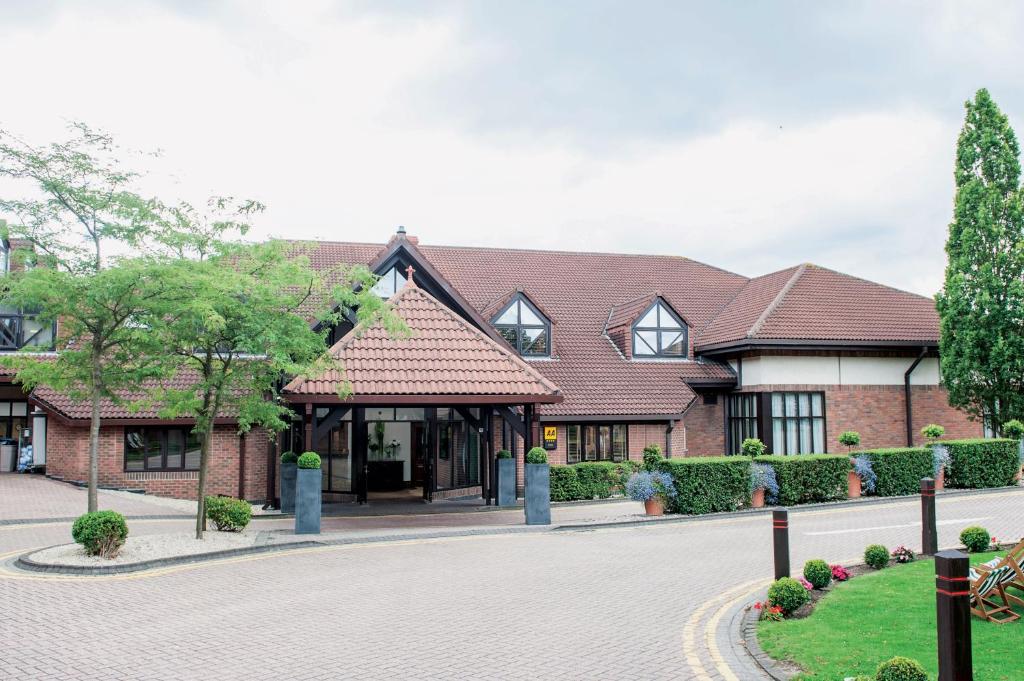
(505, 478)
(538, 487)
(851, 439)
(940, 455)
(763, 485)
(752, 447)
(1014, 430)
(861, 477)
(653, 488)
(288, 468)
(308, 485)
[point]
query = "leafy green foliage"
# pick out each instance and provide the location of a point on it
(976, 539)
(818, 573)
(752, 447)
(933, 431)
(707, 484)
(981, 306)
(1013, 429)
(227, 514)
(850, 438)
(537, 455)
(289, 457)
(503, 454)
(788, 594)
(565, 484)
(101, 533)
(876, 556)
(806, 478)
(898, 471)
(982, 463)
(590, 480)
(651, 456)
(901, 669)
(309, 460)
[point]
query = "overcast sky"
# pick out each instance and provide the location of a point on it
(749, 135)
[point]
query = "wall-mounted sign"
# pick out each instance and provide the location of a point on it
(550, 437)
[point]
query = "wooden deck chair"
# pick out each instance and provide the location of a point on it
(985, 587)
(1014, 560)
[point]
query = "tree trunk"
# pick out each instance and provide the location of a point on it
(204, 455)
(94, 450)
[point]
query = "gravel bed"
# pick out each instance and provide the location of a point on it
(148, 547)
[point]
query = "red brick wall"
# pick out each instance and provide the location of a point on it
(67, 457)
(704, 430)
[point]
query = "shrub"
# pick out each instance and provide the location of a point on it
(645, 485)
(101, 533)
(876, 556)
(940, 459)
(900, 669)
(565, 484)
(598, 479)
(1013, 429)
(537, 455)
(228, 514)
(788, 594)
(762, 476)
(818, 573)
(982, 463)
(901, 554)
(866, 472)
(975, 538)
(504, 454)
(752, 447)
(898, 471)
(839, 573)
(652, 455)
(933, 431)
(309, 460)
(805, 478)
(706, 484)
(850, 438)
(289, 457)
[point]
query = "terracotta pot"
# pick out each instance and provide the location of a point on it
(940, 479)
(853, 483)
(757, 498)
(654, 506)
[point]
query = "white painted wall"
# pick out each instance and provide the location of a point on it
(797, 370)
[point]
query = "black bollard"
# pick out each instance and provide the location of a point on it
(929, 530)
(780, 536)
(953, 607)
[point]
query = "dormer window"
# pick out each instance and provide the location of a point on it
(524, 327)
(390, 284)
(659, 333)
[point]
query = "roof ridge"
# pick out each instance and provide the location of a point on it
(776, 301)
(736, 295)
(869, 281)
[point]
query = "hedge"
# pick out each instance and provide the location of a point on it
(590, 480)
(706, 484)
(807, 478)
(981, 463)
(899, 470)
(565, 484)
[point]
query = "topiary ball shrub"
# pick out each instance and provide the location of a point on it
(652, 455)
(1013, 429)
(228, 514)
(504, 454)
(289, 457)
(876, 556)
(900, 669)
(933, 431)
(536, 455)
(975, 538)
(309, 460)
(101, 533)
(818, 573)
(753, 447)
(788, 594)
(850, 438)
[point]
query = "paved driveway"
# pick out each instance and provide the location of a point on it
(34, 497)
(640, 602)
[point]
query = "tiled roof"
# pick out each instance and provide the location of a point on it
(627, 312)
(811, 303)
(443, 355)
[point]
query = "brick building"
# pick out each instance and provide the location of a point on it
(591, 355)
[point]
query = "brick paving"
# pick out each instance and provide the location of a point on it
(606, 603)
(34, 497)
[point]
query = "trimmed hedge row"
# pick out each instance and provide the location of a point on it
(590, 480)
(899, 469)
(981, 463)
(806, 478)
(706, 484)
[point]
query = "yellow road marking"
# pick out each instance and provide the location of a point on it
(690, 651)
(709, 632)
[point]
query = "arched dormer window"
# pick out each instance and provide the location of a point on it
(659, 333)
(390, 283)
(524, 327)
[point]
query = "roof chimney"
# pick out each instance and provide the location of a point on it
(401, 231)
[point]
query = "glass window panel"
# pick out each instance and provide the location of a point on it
(804, 400)
(673, 343)
(535, 341)
(340, 458)
(805, 436)
(572, 444)
(380, 414)
(777, 409)
(590, 443)
(528, 316)
(792, 437)
(409, 414)
(385, 288)
(134, 450)
(668, 321)
(175, 448)
(645, 343)
(443, 413)
(509, 334)
(19, 408)
(816, 404)
(5, 408)
(619, 443)
(193, 451)
(321, 412)
(790, 404)
(510, 315)
(604, 442)
(649, 320)
(154, 450)
(819, 435)
(778, 436)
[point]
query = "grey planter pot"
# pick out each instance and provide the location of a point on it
(538, 494)
(288, 487)
(1020, 450)
(506, 480)
(307, 501)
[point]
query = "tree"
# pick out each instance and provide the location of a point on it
(245, 324)
(981, 306)
(79, 212)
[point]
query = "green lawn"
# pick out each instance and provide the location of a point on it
(882, 614)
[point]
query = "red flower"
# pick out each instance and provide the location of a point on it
(757, 606)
